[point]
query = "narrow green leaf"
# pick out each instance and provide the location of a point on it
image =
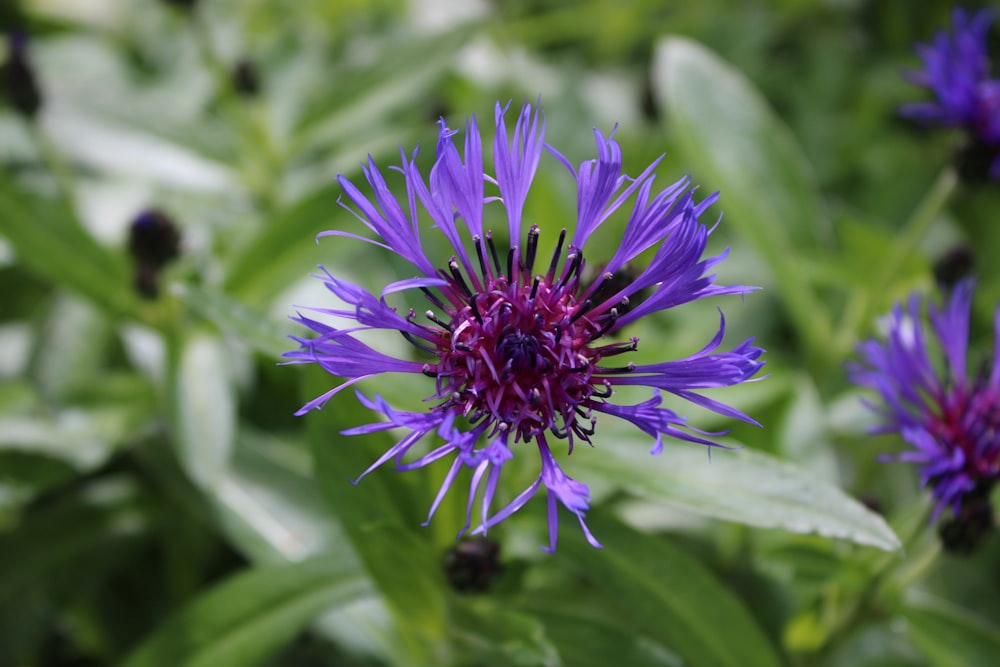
(84, 438)
(368, 95)
(670, 596)
(594, 635)
(283, 251)
(950, 636)
(270, 506)
(246, 619)
(730, 137)
(57, 535)
(49, 240)
(205, 408)
(495, 634)
(239, 318)
(742, 485)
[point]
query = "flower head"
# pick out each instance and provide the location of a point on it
(521, 352)
(957, 71)
(950, 420)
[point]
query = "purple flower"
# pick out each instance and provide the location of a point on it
(957, 71)
(950, 420)
(521, 352)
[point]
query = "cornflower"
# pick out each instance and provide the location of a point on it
(522, 352)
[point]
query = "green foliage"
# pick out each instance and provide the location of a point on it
(161, 505)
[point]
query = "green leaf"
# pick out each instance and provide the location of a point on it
(50, 241)
(55, 537)
(495, 634)
(246, 619)
(365, 97)
(593, 635)
(742, 485)
(950, 636)
(205, 408)
(284, 251)
(237, 318)
(731, 138)
(84, 438)
(270, 506)
(669, 595)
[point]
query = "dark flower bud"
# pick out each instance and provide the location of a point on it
(246, 80)
(974, 162)
(963, 532)
(472, 566)
(17, 78)
(871, 502)
(954, 265)
(153, 242)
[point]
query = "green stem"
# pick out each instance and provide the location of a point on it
(914, 231)
(892, 569)
(54, 161)
(262, 162)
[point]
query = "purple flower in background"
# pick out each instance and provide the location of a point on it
(957, 71)
(950, 420)
(520, 349)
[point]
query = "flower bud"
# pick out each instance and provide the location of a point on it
(154, 242)
(17, 78)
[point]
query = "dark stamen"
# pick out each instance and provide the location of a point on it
(493, 251)
(433, 298)
(575, 260)
(534, 287)
(617, 348)
(510, 265)
(556, 255)
(621, 369)
(428, 372)
(534, 397)
(529, 258)
(459, 278)
(479, 254)
(603, 393)
(417, 344)
(612, 317)
(433, 318)
(582, 310)
(475, 308)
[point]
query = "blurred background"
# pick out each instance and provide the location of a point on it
(166, 166)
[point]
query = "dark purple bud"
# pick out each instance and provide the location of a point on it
(246, 79)
(153, 242)
(17, 78)
(963, 532)
(472, 566)
(976, 162)
(954, 265)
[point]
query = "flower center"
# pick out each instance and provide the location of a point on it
(515, 350)
(521, 352)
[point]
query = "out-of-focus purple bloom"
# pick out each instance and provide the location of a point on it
(950, 420)
(957, 71)
(520, 350)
